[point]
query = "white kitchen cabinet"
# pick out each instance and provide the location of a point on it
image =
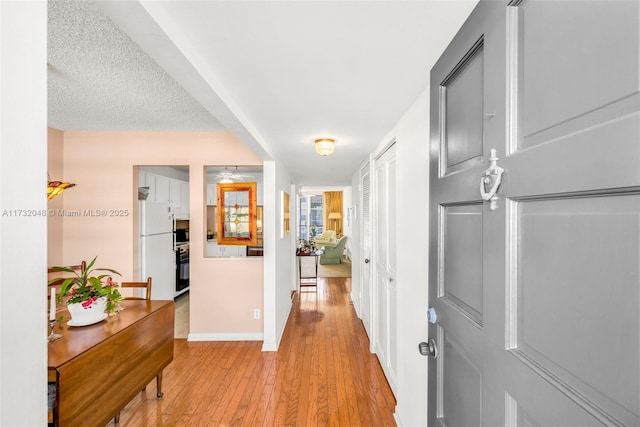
(213, 250)
(175, 195)
(211, 194)
(164, 189)
(161, 188)
(179, 198)
(236, 251)
(216, 250)
(184, 199)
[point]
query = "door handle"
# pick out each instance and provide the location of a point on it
(366, 260)
(428, 348)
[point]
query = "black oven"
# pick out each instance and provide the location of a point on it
(182, 267)
(182, 235)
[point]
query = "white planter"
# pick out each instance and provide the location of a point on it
(88, 314)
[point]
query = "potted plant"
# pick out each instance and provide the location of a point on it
(306, 246)
(86, 296)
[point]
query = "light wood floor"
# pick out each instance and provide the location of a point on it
(181, 328)
(322, 374)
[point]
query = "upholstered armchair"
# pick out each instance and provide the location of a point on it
(328, 238)
(333, 254)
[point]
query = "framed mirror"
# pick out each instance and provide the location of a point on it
(236, 213)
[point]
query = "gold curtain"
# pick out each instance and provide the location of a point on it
(332, 202)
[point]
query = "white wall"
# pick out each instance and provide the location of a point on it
(411, 136)
(279, 255)
(412, 151)
(23, 247)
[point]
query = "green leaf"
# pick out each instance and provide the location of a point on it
(93, 261)
(66, 269)
(107, 269)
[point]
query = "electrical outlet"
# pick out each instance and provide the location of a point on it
(256, 313)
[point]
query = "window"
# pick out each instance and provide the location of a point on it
(310, 216)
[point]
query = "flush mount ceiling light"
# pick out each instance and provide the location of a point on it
(56, 188)
(324, 146)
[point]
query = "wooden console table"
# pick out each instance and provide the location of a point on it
(99, 368)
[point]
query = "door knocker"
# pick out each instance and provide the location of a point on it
(490, 181)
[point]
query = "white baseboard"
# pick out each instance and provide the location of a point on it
(356, 307)
(240, 336)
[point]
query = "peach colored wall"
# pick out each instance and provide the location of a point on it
(54, 222)
(223, 291)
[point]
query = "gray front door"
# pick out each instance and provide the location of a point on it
(537, 294)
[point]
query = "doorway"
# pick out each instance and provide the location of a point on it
(163, 241)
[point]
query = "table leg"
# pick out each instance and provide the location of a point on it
(316, 257)
(159, 386)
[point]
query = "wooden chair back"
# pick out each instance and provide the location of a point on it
(63, 274)
(60, 276)
(138, 285)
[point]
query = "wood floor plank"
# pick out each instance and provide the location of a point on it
(322, 375)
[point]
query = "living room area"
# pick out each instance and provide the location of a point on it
(324, 227)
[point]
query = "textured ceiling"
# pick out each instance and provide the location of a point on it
(100, 80)
(278, 74)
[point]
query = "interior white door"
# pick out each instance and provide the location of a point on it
(537, 296)
(365, 250)
(385, 286)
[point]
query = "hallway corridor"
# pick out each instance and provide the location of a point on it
(323, 374)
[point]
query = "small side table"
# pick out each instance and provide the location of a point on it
(309, 281)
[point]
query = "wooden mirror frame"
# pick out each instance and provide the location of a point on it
(223, 189)
(285, 215)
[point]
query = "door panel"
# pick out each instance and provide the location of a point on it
(461, 257)
(581, 274)
(381, 334)
(366, 251)
(553, 91)
(386, 288)
(462, 96)
(392, 295)
(462, 398)
(382, 217)
(542, 327)
(536, 407)
(391, 208)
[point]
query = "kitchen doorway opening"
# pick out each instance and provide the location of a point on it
(163, 235)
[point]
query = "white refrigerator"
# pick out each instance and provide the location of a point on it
(157, 255)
